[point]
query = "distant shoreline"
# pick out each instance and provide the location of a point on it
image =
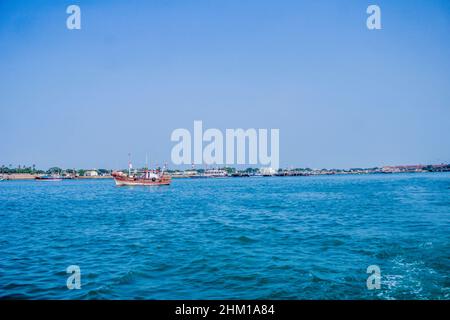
(24, 176)
(30, 173)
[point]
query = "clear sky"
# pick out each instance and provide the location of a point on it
(341, 95)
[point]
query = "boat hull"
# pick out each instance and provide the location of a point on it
(48, 179)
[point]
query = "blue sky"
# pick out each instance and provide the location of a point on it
(341, 95)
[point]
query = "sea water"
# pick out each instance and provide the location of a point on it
(230, 238)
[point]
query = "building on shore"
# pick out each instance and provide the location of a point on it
(397, 169)
(267, 171)
(91, 173)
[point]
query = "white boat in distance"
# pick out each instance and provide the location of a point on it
(215, 173)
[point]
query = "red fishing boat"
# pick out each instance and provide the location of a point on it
(144, 178)
(147, 178)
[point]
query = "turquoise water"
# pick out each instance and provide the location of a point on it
(247, 238)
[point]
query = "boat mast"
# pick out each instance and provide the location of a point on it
(146, 166)
(129, 164)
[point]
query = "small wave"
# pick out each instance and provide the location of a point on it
(126, 278)
(427, 244)
(99, 293)
(14, 296)
(245, 239)
(162, 267)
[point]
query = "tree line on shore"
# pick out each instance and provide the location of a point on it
(53, 170)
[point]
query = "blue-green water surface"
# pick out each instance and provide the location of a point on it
(243, 238)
